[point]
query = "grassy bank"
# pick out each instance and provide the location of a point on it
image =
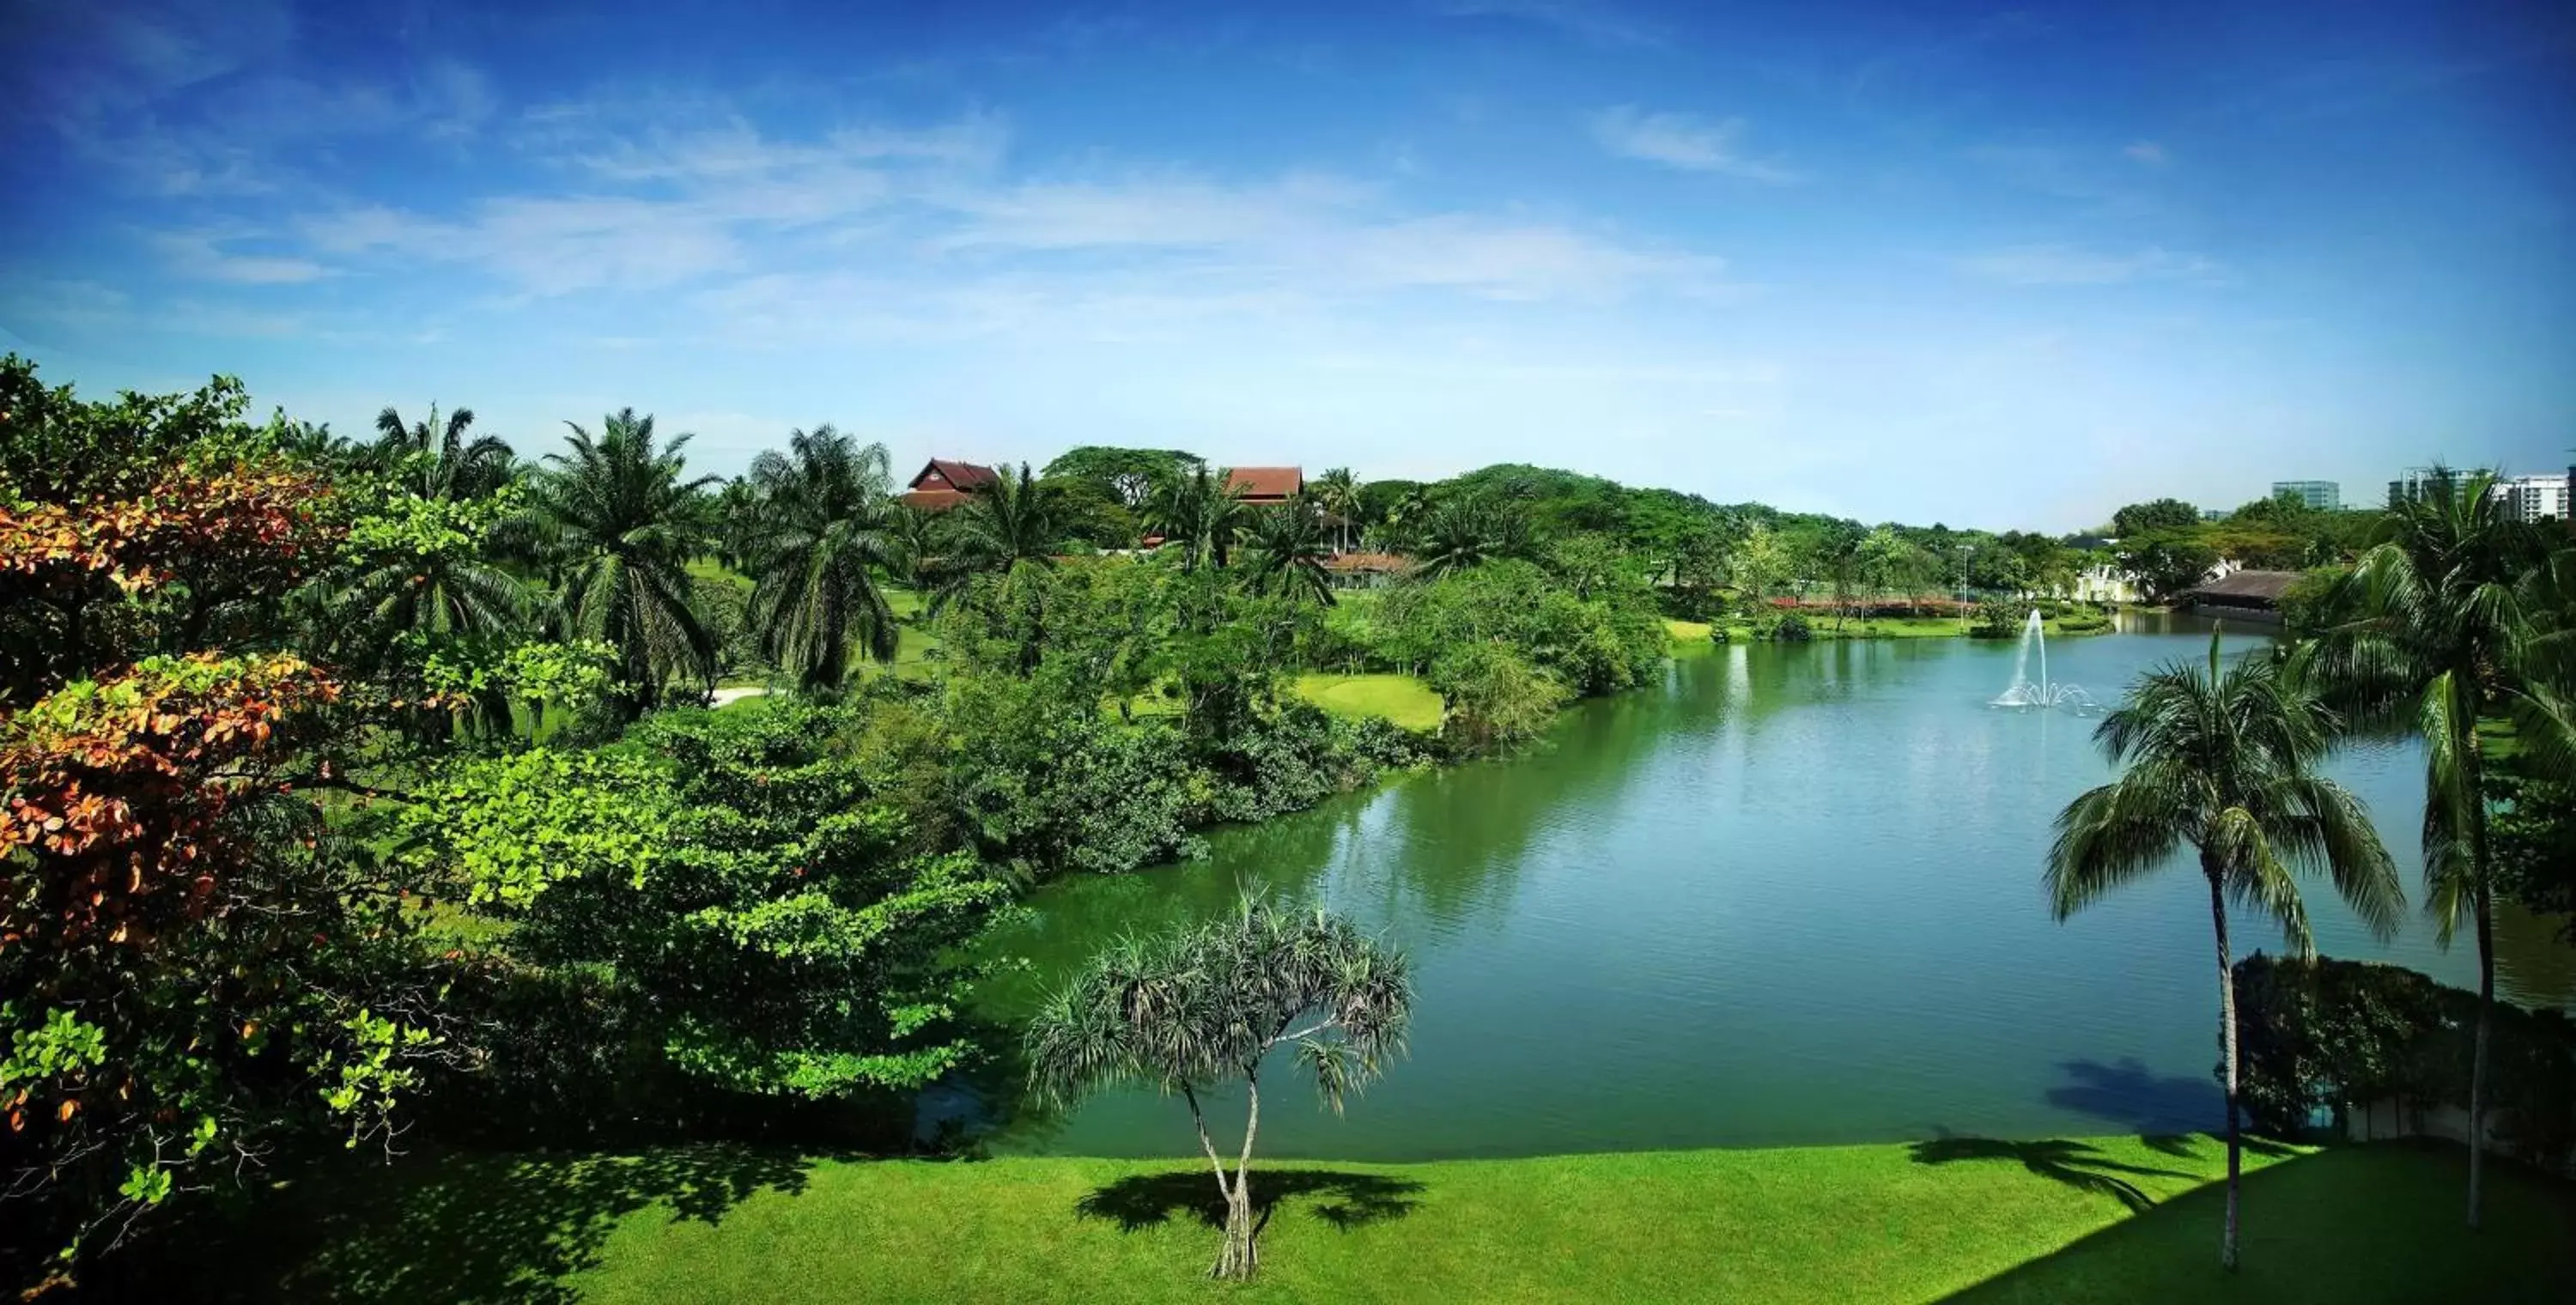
(2112, 1219)
(1404, 699)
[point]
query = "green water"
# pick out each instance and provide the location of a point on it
(1790, 895)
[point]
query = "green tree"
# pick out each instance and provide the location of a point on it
(1287, 554)
(1205, 1005)
(1125, 475)
(1760, 562)
(1337, 492)
(1492, 697)
(2224, 759)
(1472, 531)
(823, 533)
(436, 460)
(622, 523)
(1197, 510)
(2452, 616)
(1006, 530)
(2159, 515)
(2166, 564)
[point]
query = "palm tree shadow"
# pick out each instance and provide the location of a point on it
(2127, 1093)
(2079, 1165)
(1346, 1200)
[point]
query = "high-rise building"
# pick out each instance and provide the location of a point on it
(2323, 495)
(2535, 498)
(2418, 482)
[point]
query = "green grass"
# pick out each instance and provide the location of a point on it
(1404, 699)
(1687, 631)
(2112, 1219)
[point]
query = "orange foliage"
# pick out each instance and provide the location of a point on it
(206, 521)
(114, 825)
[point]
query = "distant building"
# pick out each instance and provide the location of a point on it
(2243, 595)
(942, 484)
(2323, 495)
(2214, 514)
(2417, 483)
(2534, 498)
(1265, 484)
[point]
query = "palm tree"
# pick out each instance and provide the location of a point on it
(450, 466)
(1205, 1004)
(622, 525)
(1200, 510)
(822, 531)
(1468, 532)
(1288, 554)
(2453, 614)
(1337, 492)
(1005, 529)
(2224, 759)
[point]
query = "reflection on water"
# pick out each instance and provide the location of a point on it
(1791, 895)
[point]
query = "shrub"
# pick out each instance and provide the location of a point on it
(1494, 697)
(1792, 628)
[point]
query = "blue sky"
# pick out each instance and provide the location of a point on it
(1908, 261)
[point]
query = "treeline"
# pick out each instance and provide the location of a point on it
(343, 803)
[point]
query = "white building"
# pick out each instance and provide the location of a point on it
(2535, 498)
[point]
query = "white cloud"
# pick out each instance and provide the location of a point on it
(1681, 140)
(2050, 264)
(201, 255)
(2146, 151)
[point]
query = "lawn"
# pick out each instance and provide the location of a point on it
(2111, 1219)
(1404, 699)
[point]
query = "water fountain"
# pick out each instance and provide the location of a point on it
(2024, 691)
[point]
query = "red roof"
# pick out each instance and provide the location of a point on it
(944, 474)
(1265, 484)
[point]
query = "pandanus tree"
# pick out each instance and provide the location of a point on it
(2223, 759)
(2456, 612)
(620, 522)
(1189, 1011)
(1287, 554)
(823, 530)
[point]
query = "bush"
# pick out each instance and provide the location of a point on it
(1999, 620)
(1792, 628)
(2335, 1034)
(1494, 696)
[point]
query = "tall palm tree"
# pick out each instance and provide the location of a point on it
(1288, 553)
(2453, 614)
(449, 465)
(1005, 529)
(821, 532)
(2224, 759)
(1337, 492)
(1199, 509)
(622, 525)
(1469, 532)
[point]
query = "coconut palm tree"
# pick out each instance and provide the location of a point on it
(1288, 553)
(821, 532)
(1337, 492)
(2223, 759)
(439, 460)
(1005, 529)
(621, 524)
(1204, 1005)
(2456, 612)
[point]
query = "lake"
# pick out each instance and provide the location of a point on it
(1789, 895)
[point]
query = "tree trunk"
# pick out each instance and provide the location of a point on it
(2227, 1061)
(1241, 1257)
(2483, 903)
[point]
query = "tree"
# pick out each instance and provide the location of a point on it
(2166, 564)
(2224, 759)
(1469, 532)
(1491, 697)
(1288, 552)
(2445, 620)
(1128, 476)
(434, 459)
(623, 523)
(1759, 562)
(823, 532)
(2146, 518)
(1337, 492)
(1002, 530)
(1199, 510)
(1201, 1006)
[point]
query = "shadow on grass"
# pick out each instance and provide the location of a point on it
(464, 1226)
(1344, 1200)
(2079, 1165)
(2357, 1225)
